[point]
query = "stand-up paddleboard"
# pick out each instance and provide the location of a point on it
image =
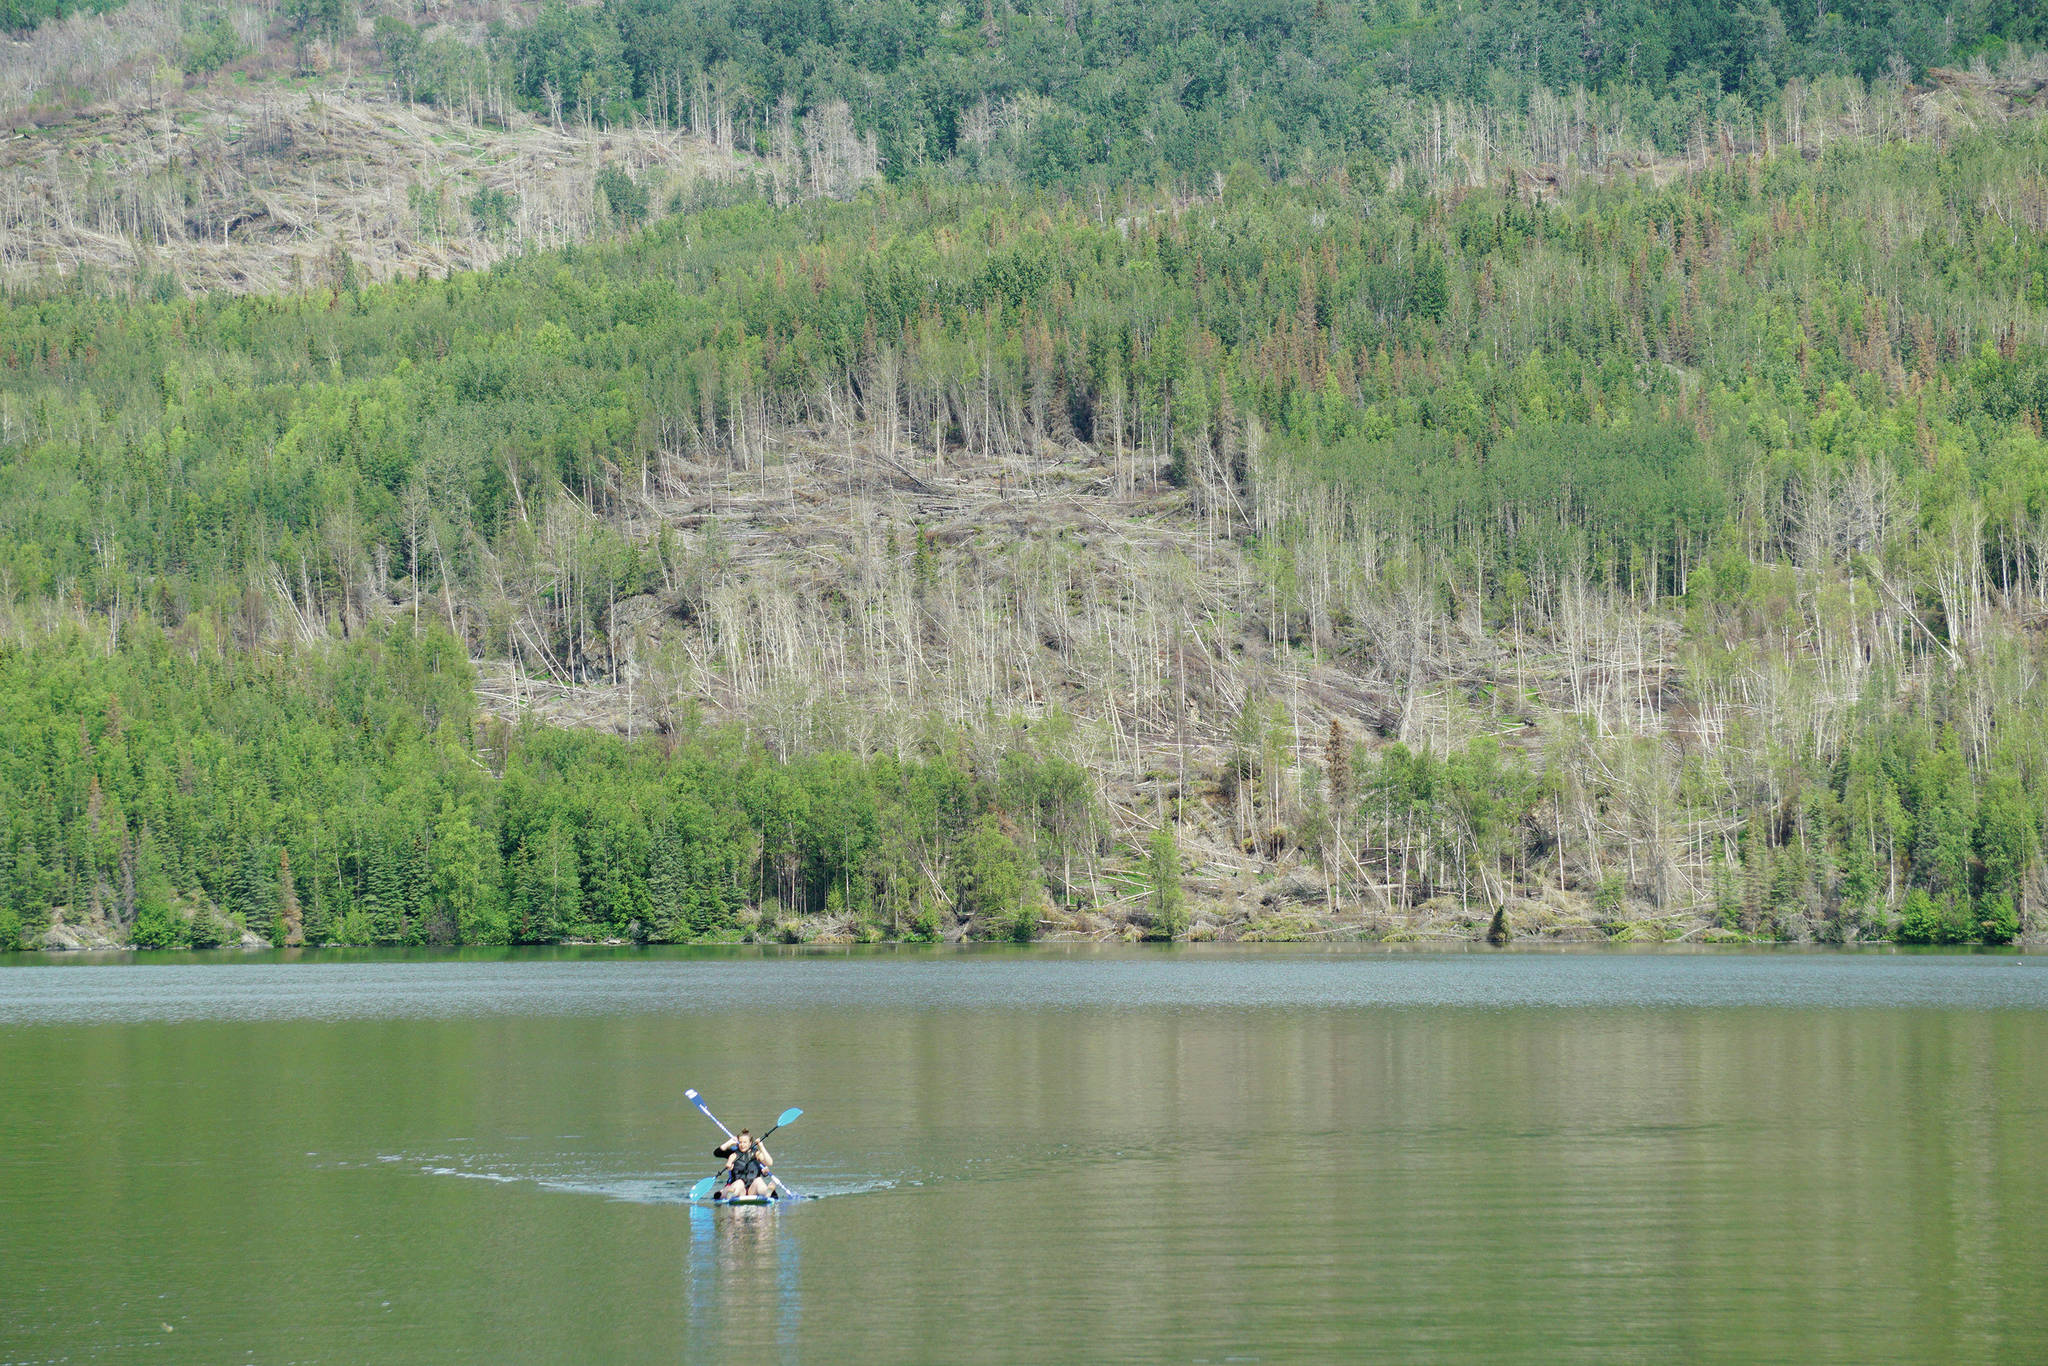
(701, 1194)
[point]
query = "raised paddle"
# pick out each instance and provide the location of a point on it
(702, 1190)
(698, 1101)
(705, 1186)
(787, 1115)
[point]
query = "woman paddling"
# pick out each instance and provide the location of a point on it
(746, 1168)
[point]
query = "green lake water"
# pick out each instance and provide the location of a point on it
(1046, 1155)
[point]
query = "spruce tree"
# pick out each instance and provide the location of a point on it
(1168, 901)
(668, 885)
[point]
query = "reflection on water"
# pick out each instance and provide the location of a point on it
(743, 1274)
(1787, 1157)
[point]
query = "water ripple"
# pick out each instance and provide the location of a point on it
(413, 987)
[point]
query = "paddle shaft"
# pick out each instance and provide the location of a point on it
(791, 1116)
(698, 1101)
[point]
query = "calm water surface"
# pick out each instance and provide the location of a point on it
(1048, 1156)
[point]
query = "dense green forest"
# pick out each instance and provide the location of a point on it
(982, 553)
(18, 15)
(354, 795)
(1109, 91)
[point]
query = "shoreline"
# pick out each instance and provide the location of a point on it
(1525, 923)
(599, 951)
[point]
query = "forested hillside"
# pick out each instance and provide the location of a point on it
(270, 147)
(1596, 500)
(1059, 92)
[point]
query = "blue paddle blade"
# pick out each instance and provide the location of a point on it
(702, 1190)
(789, 1116)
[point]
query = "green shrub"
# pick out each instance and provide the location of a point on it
(310, 19)
(491, 210)
(356, 928)
(208, 930)
(1610, 899)
(157, 923)
(399, 44)
(10, 930)
(1997, 922)
(1921, 920)
(485, 923)
(625, 199)
(990, 885)
(1958, 921)
(212, 46)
